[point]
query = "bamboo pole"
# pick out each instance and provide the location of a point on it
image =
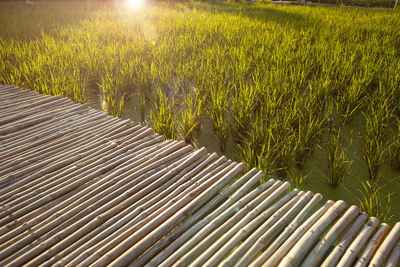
(372, 246)
(287, 231)
(209, 223)
(394, 258)
(383, 251)
(315, 256)
(358, 243)
(226, 242)
(335, 255)
(301, 248)
(251, 247)
(137, 245)
(296, 235)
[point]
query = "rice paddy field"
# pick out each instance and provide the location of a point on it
(309, 94)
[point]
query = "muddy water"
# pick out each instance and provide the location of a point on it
(314, 169)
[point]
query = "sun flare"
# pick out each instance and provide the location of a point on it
(135, 4)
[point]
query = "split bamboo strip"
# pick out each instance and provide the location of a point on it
(80, 250)
(335, 255)
(167, 220)
(315, 256)
(394, 258)
(383, 251)
(277, 256)
(250, 248)
(300, 249)
(89, 221)
(287, 231)
(372, 246)
(199, 227)
(226, 220)
(358, 243)
(243, 230)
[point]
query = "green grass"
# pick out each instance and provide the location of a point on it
(267, 78)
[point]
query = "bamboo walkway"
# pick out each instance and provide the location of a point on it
(80, 188)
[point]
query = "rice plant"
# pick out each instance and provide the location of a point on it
(191, 117)
(242, 110)
(375, 202)
(219, 114)
(394, 148)
(375, 143)
(163, 115)
(338, 161)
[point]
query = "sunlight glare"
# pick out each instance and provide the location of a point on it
(135, 4)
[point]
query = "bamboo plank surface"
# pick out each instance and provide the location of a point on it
(80, 188)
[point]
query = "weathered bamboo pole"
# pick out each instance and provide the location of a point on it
(394, 258)
(315, 256)
(79, 251)
(372, 245)
(225, 243)
(180, 246)
(220, 224)
(301, 248)
(383, 251)
(251, 247)
(90, 221)
(335, 255)
(276, 257)
(358, 243)
(287, 231)
(194, 201)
